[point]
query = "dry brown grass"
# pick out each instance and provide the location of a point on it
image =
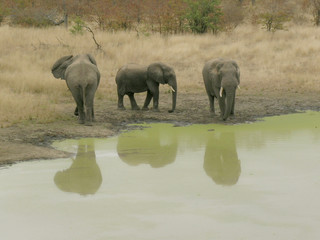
(280, 62)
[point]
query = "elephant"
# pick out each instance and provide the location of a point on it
(221, 161)
(221, 79)
(82, 77)
(83, 176)
(156, 146)
(133, 78)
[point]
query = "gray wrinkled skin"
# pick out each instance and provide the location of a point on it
(133, 78)
(82, 77)
(225, 74)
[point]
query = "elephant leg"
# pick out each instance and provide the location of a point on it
(147, 101)
(222, 104)
(77, 95)
(76, 112)
(134, 105)
(232, 107)
(120, 102)
(89, 105)
(93, 118)
(211, 101)
(156, 99)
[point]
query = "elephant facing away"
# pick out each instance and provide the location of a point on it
(83, 176)
(133, 78)
(82, 77)
(221, 79)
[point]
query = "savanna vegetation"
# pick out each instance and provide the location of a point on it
(276, 44)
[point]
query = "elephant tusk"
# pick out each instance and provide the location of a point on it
(172, 89)
(239, 87)
(221, 90)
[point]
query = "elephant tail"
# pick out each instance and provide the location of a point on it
(83, 95)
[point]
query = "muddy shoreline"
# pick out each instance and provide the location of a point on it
(29, 141)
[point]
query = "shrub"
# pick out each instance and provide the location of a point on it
(274, 14)
(274, 21)
(78, 26)
(204, 15)
(233, 14)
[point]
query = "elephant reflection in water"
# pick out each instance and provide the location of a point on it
(155, 146)
(83, 176)
(221, 161)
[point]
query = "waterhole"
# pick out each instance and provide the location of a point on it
(250, 181)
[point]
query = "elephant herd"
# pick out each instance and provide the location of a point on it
(221, 79)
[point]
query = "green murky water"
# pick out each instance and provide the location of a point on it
(251, 181)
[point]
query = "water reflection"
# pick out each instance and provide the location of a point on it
(221, 161)
(84, 175)
(156, 146)
(276, 197)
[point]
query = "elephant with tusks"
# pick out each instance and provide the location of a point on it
(221, 79)
(133, 78)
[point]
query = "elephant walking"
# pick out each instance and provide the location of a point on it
(82, 77)
(221, 79)
(133, 78)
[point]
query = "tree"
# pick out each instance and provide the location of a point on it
(315, 8)
(275, 13)
(204, 15)
(252, 2)
(233, 13)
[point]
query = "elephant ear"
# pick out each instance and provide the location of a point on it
(217, 76)
(92, 60)
(59, 67)
(238, 71)
(155, 73)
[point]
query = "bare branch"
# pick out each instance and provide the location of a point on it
(94, 39)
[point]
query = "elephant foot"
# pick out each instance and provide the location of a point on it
(221, 118)
(76, 112)
(121, 108)
(224, 118)
(81, 121)
(212, 113)
(135, 108)
(155, 109)
(88, 124)
(145, 109)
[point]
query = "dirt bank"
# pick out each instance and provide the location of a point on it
(32, 141)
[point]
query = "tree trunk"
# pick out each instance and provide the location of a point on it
(65, 14)
(318, 17)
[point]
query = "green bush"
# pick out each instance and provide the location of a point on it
(204, 16)
(78, 27)
(274, 21)
(2, 12)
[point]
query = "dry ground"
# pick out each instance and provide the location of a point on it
(279, 75)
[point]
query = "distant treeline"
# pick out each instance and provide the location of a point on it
(163, 16)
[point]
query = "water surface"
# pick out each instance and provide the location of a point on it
(249, 181)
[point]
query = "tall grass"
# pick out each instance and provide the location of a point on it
(269, 62)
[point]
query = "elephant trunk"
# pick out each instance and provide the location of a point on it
(174, 96)
(230, 98)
